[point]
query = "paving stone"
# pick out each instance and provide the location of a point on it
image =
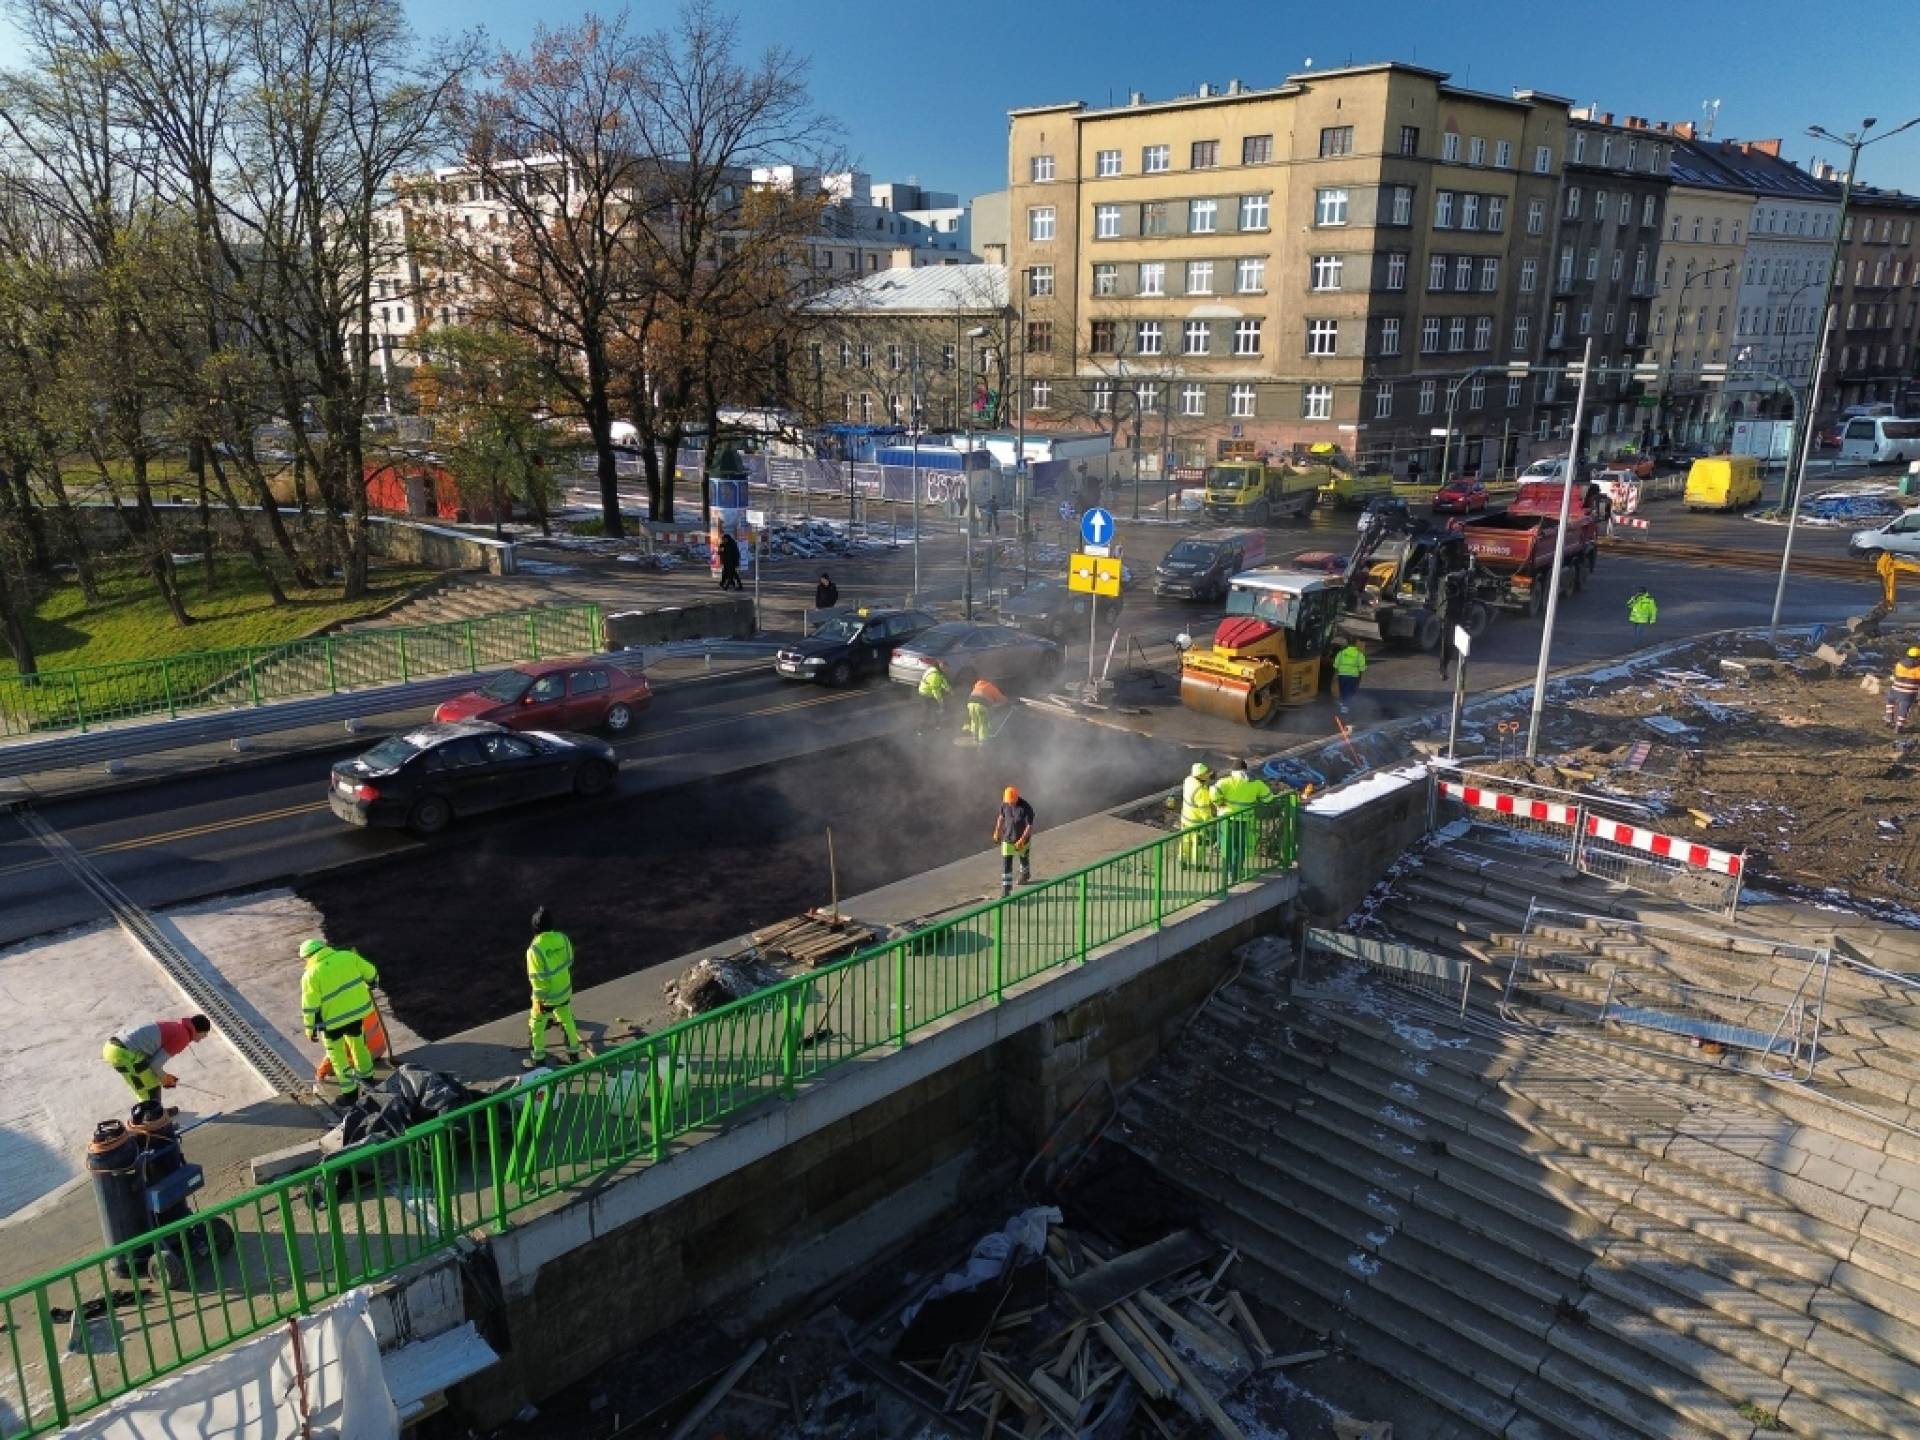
(1891, 1416)
(1894, 1231)
(1649, 1416)
(1871, 1190)
(1804, 1416)
(1637, 1291)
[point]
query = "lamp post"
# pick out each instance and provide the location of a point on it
(974, 334)
(1020, 455)
(1790, 483)
(1673, 339)
(913, 420)
(1560, 549)
(1514, 371)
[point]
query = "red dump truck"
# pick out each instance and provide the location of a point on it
(1517, 544)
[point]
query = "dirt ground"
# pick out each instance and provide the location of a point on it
(640, 880)
(1773, 752)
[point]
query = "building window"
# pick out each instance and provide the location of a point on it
(1240, 402)
(1153, 278)
(1336, 140)
(1476, 151)
(1040, 223)
(1202, 216)
(1101, 337)
(1443, 210)
(1040, 395)
(1383, 401)
(1593, 262)
(1449, 146)
(1323, 337)
(1521, 325)
(1543, 160)
(1429, 392)
(1483, 334)
(1619, 264)
(1606, 324)
(1250, 276)
(1106, 164)
(1566, 266)
(1039, 337)
(1573, 202)
(1457, 333)
(1155, 158)
(1396, 270)
(1586, 320)
(1256, 150)
(1401, 206)
(1042, 169)
(1106, 222)
(1106, 279)
(1469, 212)
(893, 357)
(1390, 335)
(1199, 277)
(1153, 218)
(1316, 402)
(1409, 139)
(846, 353)
(1503, 154)
(1100, 401)
(1196, 338)
(1147, 338)
(1206, 154)
(866, 406)
(1513, 391)
(1193, 399)
(1253, 212)
(1246, 337)
(1330, 207)
(1146, 398)
(1529, 276)
(1536, 216)
(1600, 205)
(866, 354)
(1477, 392)
(1463, 272)
(1436, 272)
(1579, 154)
(1496, 213)
(1646, 217)
(1490, 273)
(1040, 281)
(1429, 335)
(1326, 272)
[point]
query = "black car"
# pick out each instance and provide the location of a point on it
(1011, 659)
(851, 644)
(1049, 608)
(424, 778)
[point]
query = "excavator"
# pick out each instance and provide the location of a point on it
(1890, 567)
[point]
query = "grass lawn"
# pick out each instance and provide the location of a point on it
(131, 622)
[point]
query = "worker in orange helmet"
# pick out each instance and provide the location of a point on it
(984, 704)
(1013, 828)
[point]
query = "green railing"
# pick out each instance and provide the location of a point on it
(202, 680)
(249, 1262)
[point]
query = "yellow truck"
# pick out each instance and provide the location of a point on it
(1349, 490)
(1252, 492)
(1723, 482)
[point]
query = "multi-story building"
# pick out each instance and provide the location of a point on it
(1324, 260)
(1875, 354)
(1605, 255)
(1698, 317)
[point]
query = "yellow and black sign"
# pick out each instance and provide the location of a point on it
(1095, 574)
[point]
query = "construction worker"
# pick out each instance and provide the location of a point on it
(983, 704)
(1013, 828)
(1196, 809)
(1904, 689)
(1641, 613)
(550, 974)
(1348, 666)
(336, 997)
(934, 689)
(140, 1057)
(1237, 797)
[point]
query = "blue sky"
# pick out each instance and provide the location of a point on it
(922, 90)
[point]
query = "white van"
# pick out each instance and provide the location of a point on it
(1880, 440)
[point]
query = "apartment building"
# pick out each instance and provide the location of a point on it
(1875, 354)
(1698, 317)
(1606, 252)
(1323, 260)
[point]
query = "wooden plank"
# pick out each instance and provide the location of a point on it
(1138, 1333)
(1070, 1351)
(1114, 1280)
(1237, 1304)
(993, 1414)
(719, 1391)
(1201, 1338)
(1299, 1357)
(1060, 1406)
(1004, 1380)
(1143, 1375)
(1203, 1397)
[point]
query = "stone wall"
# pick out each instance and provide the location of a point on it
(1343, 853)
(388, 537)
(730, 619)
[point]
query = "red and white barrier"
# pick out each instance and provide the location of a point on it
(1629, 522)
(1667, 847)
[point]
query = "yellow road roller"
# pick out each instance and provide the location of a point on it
(1269, 651)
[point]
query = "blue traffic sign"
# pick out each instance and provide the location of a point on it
(1096, 526)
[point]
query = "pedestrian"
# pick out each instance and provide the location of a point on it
(336, 997)
(139, 1056)
(984, 705)
(1196, 812)
(934, 689)
(1904, 689)
(729, 562)
(1641, 613)
(550, 977)
(993, 513)
(826, 594)
(1413, 470)
(1348, 666)
(1013, 828)
(1236, 797)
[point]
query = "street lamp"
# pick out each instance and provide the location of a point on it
(1513, 371)
(1673, 340)
(977, 332)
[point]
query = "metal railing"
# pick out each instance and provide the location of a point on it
(201, 680)
(91, 1330)
(1330, 959)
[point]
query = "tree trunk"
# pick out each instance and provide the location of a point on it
(670, 472)
(300, 482)
(75, 538)
(159, 557)
(14, 621)
(354, 566)
(255, 550)
(197, 462)
(600, 425)
(18, 497)
(276, 521)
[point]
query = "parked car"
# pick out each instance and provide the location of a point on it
(1828, 437)
(1011, 658)
(1901, 535)
(1387, 510)
(1199, 567)
(851, 644)
(1049, 608)
(1462, 496)
(555, 695)
(425, 778)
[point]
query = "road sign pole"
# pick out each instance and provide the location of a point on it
(1093, 634)
(1462, 645)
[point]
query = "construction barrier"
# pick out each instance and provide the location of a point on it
(78, 1337)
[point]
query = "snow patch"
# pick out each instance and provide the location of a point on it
(1361, 792)
(1362, 1263)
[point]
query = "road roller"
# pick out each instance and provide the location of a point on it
(1270, 650)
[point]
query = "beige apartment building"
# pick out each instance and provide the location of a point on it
(1324, 260)
(1697, 313)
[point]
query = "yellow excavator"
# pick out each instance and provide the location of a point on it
(1270, 650)
(1890, 567)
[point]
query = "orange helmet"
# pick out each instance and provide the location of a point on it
(1010, 795)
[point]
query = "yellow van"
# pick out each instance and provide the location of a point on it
(1723, 482)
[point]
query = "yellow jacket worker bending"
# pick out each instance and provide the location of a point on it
(336, 996)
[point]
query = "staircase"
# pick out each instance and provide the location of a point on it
(1553, 1227)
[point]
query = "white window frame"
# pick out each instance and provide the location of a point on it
(1529, 276)
(1250, 267)
(1323, 337)
(1039, 281)
(1476, 150)
(1040, 395)
(1450, 145)
(1149, 337)
(1383, 400)
(1151, 278)
(1316, 402)
(1513, 391)
(1429, 393)
(1246, 336)
(1522, 328)
(1402, 205)
(1457, 335)
(1430, 335)
(1482, 334)
(1477, 392)
(1436, 274)
(1106, 222)
(1496, 214)
(1489, 272)
(1196, 337)
(1106, 164)
(1330, 205)
(1469, 211)
(1100, 398)
(1106, 278)
(1543, 160)
(1199, 277)
(1390, 335)
(1193, 400)
(1443, 209)
(1326, 271)
(1203, 216)
(1254, 211)
(1503, 154)
(1155, 159)
(1397, 270)
(1041, 224)
(1536, 217)
(1240, 400)
(1042, 169)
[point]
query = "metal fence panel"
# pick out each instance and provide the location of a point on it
(1328, 955)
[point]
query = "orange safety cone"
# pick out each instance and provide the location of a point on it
(374, 1030)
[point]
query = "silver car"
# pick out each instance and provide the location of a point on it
(1010, 658)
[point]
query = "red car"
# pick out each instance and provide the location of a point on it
(555, 695)
(1460, 497)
